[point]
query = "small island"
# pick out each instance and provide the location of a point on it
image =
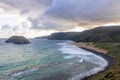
(18, 40)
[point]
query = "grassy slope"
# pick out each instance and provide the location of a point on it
(99, 34)
(114, 72)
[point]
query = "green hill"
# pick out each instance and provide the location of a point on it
(99, 34)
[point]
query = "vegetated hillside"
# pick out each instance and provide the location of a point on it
(112, 73)
(99, 34)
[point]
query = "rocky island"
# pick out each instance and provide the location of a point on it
(17, 40)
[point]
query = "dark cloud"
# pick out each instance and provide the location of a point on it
(26, 3)
(34, 23)
(49, 25)
(85, 10)
(25, 6)
(25, 11)
(4, 27)
(85, 13)
(61, 15)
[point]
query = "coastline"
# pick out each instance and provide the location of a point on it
(109, 59)
(65, 76)
(100, 52)
(90, 46)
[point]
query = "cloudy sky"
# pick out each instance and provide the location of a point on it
(33, 18)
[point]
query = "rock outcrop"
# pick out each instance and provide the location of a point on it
(17, 40)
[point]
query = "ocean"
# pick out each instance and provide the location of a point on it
(47, 60)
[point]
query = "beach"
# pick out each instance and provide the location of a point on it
(90, 46)
(60, 60)
(100, 52)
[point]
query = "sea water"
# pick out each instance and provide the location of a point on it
(47, 60)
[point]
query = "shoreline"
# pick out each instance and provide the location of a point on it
(100, 52)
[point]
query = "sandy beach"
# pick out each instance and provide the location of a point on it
(101, 52)
(90, 46)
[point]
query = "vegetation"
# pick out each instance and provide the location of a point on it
(99, 34)
(114, 72)
(103, 37)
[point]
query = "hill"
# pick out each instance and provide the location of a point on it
(99, 34)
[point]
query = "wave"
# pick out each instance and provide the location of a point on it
(73, 51)
(22, 72)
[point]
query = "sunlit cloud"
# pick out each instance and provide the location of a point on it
(33, 18)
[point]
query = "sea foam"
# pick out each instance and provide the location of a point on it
(74, 51)
(22, 72)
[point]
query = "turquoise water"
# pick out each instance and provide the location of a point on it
(47, 60)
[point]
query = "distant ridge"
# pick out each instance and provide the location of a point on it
(99, 34)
